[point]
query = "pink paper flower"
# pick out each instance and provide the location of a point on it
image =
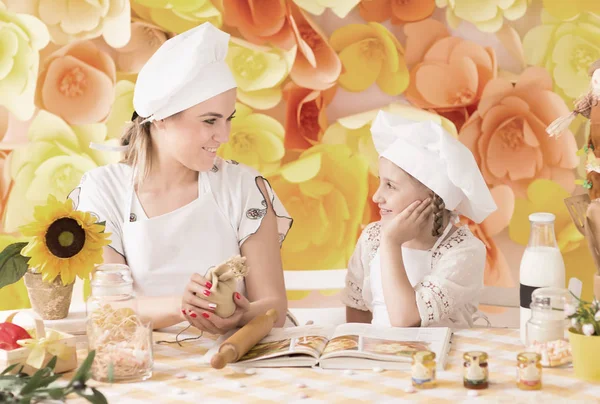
(448, 74)
(145, 40)
(497, 270)
(507, 133)
(77, 83)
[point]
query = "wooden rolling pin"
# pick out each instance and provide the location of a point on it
(244, 339)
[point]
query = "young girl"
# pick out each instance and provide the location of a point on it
(415, 267)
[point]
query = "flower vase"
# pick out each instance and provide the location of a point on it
(586, 351)
(50, 300)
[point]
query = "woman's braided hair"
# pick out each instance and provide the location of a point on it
(439, 213)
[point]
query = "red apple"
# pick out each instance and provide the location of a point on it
(9, 335)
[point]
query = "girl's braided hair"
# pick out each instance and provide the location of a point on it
(439, 213)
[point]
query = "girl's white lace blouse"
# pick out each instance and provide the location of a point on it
(448, 296)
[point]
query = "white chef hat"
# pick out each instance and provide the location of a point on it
(430, 154)
(186, 70)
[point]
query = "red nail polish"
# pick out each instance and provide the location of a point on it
(205, 315)
(206, 292)
(193, 315)
(208, 284)
(183, 311)
(237, 296)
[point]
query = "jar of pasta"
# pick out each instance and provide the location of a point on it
(122, 341)
(423, 369)
(475, 372)
(529, 371)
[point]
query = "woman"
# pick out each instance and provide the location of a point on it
(173, 207)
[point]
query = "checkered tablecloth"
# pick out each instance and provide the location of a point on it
(282, 385)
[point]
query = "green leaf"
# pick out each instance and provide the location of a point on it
(12, 384)
(51, 363)
(48, 380)
(12, 264)
(95, 398)
(35, 381)
(8, 369)
(83, 373)
(56, 393)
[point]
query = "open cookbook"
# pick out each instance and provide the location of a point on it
(347, 346)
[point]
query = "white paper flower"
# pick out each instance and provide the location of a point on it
(574, 322)
(597, 316)
(588, 329)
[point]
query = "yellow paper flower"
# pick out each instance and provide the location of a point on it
(341, 8)
(486, 15)
(64, 242)
(76, 20)
(121, 111)
(545, 196)
(354, 131)
(21, 38)
(13, 296)
(52, 163)
(325, 191)
(259, 72)
(179, 15)
(369, 54)
(566, 50)
(255, 140)
(566, 10)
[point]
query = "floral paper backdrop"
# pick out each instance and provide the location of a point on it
(311, 75)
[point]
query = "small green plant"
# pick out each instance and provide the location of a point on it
(23, 389)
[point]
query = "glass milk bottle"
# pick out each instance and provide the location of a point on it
(542, 264)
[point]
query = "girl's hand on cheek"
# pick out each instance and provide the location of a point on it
(409, 224)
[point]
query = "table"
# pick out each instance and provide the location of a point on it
(280, 385)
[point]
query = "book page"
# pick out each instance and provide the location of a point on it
(306, 340)
(384, 343)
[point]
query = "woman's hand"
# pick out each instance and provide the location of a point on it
(208, 321)
(197, 308)
(409, 224)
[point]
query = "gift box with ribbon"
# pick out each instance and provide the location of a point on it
(38, 350)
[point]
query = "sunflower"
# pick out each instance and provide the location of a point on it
(64, 242)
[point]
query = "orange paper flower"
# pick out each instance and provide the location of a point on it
(497, 271)
(448, 74)
(305, 117)
(400, 11)
(260, 21)
(145, 40)
(369, 54)
(507, 133)
(77, 83)
(317, 66)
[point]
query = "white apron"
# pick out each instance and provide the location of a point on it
(164, 251)
(417, 264)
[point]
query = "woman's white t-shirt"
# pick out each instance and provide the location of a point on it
(106, 192)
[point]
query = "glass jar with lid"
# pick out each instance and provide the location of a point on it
(548, 320)
(529, 371)
(423, 369)
(475, 370)
(122, 341)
